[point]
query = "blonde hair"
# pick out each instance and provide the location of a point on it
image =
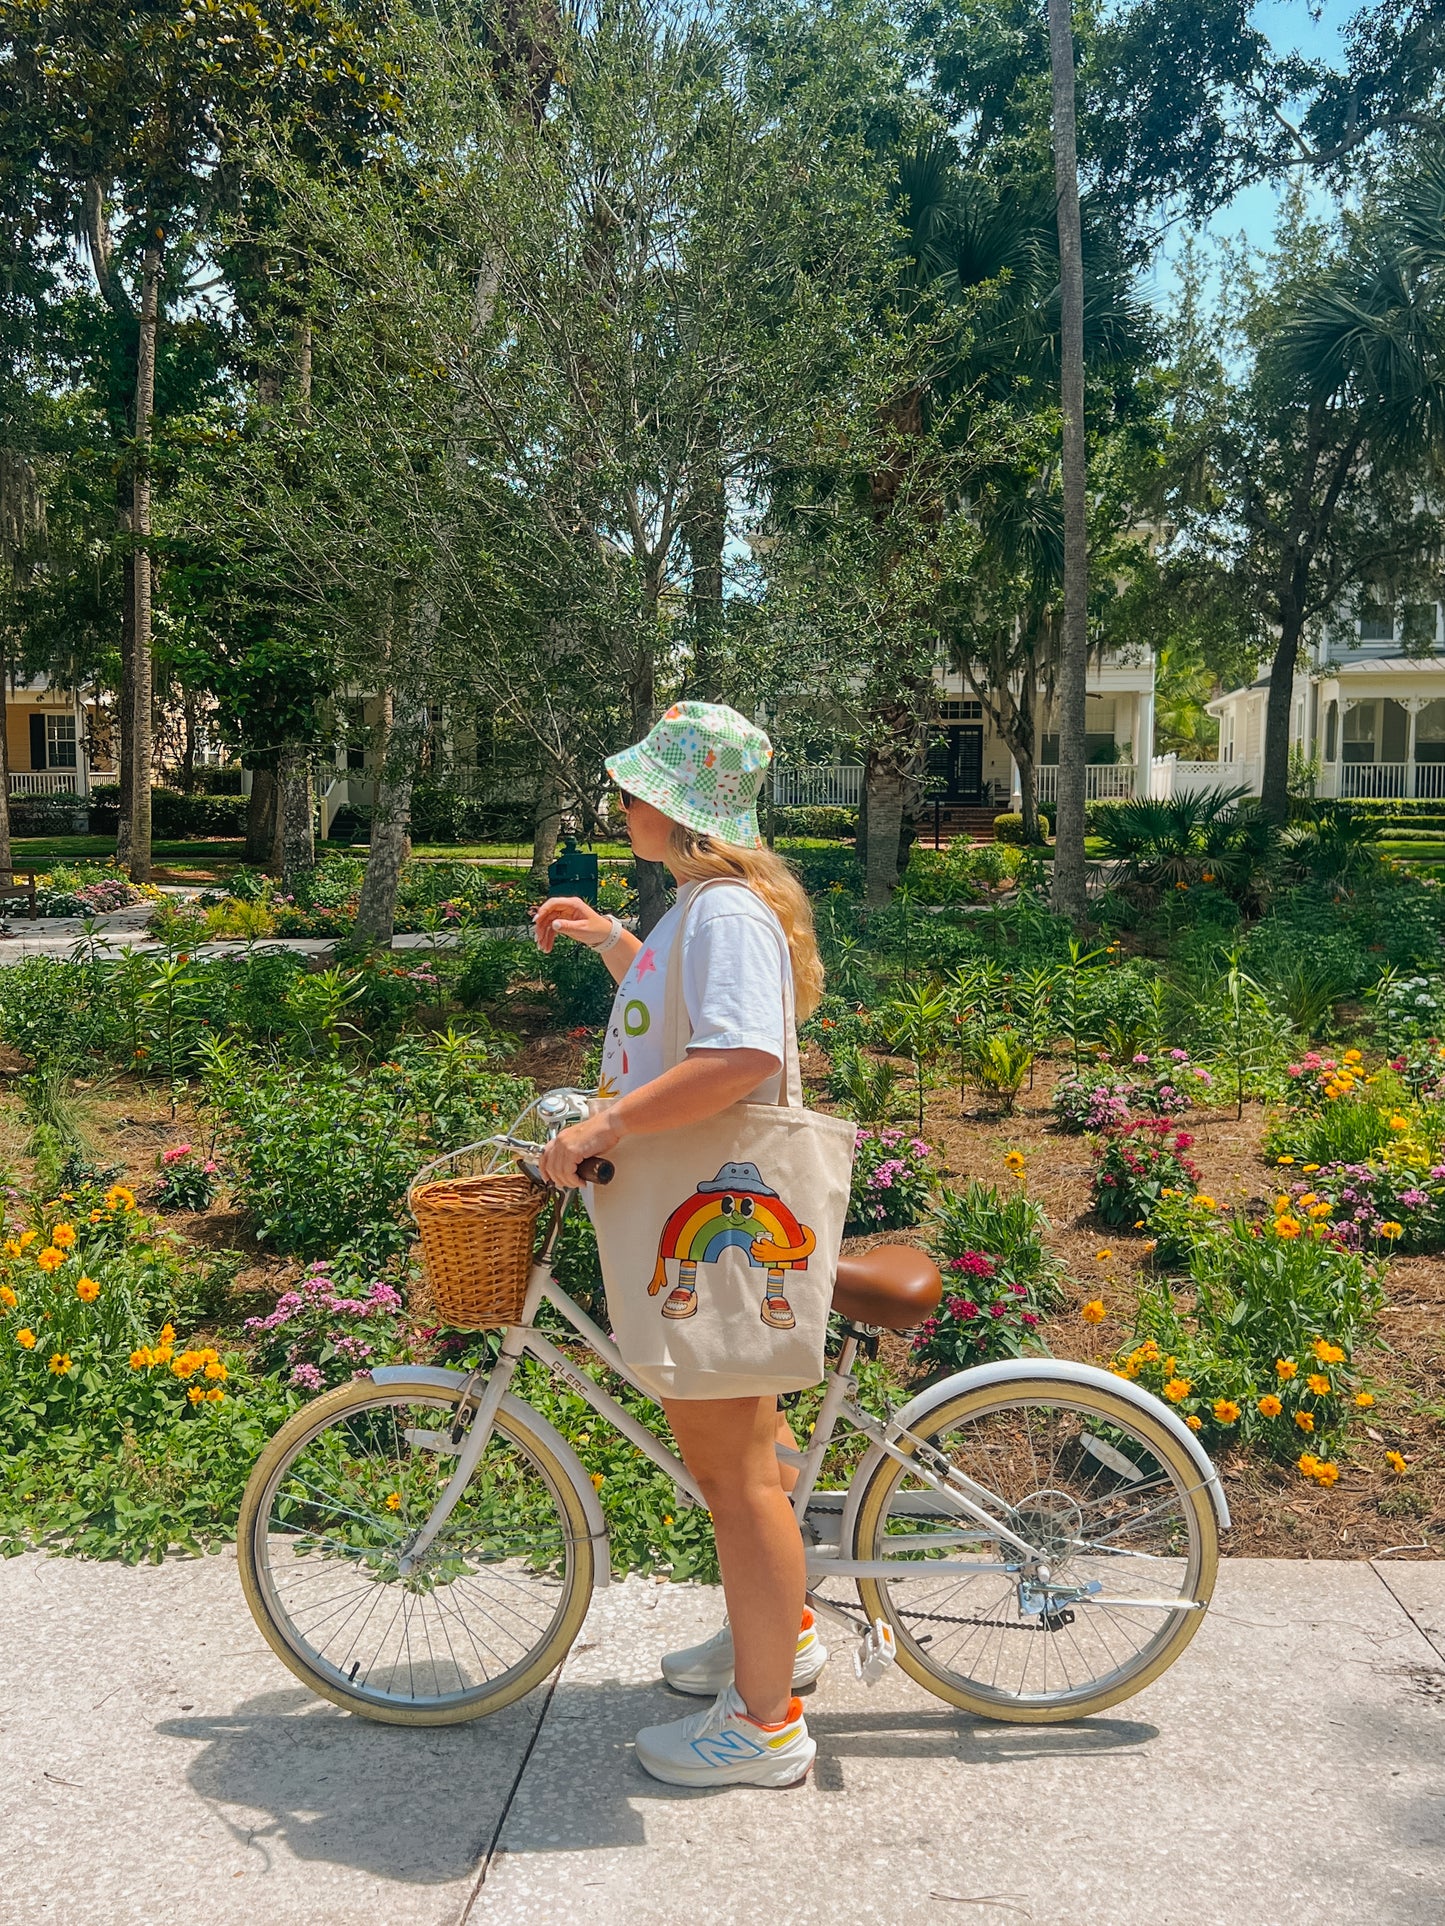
(695, 858)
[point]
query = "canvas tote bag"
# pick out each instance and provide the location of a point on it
(742, 1208)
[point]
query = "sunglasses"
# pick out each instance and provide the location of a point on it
(625, 799)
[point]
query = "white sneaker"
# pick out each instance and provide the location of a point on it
(705, 1669)
(724, 1747)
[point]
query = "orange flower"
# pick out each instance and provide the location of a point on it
(1319, 1384)
(87, 1290)
(1287, 1227)
(26, 1340)
(1305, 1420)
(1093, 1312)
(1364, 1399)
(195, 1394)
(1326, 1352)
(1270, 1406)
(1177, 1389)
(50, 1258)
(1395, 1460)
(1226, 1411)
(1308, 1463)
(8, 1298)
(1195, 1424)
(1326, 1473)
(1285, 1367)
(63, 1235)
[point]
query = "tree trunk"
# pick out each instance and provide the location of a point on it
(403, 727)
(126, 701)
(298, 835)
(546, 824)
(1068, 888)
(707, 539)
(1274, 785)
(886, 786)
(141, 722)
(190, 729)
(261, 817)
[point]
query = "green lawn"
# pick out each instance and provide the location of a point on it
(43, 852)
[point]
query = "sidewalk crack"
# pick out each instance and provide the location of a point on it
(487, 1857)
(1428, 1636)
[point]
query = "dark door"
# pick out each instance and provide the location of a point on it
(965, 763)
(37, 742)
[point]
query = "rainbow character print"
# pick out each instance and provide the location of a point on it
(735, 1207)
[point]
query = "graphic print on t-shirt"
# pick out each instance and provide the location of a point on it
(735, 1208)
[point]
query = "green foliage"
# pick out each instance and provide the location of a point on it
(1214, 838)
(580, 982)
(893, 1180)
(866, 1087)
(1135, 1167)
(1009, 827)
(1008, 1226)
(998, 1062)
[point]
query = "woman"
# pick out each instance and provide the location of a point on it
(690, 792)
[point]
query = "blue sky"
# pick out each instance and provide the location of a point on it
(1292, 29)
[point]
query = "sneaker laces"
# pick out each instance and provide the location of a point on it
(703, 1724)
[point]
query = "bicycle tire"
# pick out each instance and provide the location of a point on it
(1036, 1708)
(346, 1404)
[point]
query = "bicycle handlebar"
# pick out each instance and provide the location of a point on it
(597, 1170)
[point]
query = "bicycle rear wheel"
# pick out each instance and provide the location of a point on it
(1110, 1501)
(490, 1608)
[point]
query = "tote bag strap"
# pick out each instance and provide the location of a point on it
(677, 1032)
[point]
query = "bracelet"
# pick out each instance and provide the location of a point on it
(609, 940)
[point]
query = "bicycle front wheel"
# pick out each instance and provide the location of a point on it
(1111, 1505)
(489, 1609)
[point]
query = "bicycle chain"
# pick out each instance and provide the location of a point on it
(1048, 1621)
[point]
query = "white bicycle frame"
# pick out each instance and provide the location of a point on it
(986, 1514)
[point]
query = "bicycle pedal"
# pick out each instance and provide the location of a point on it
(875, 1652)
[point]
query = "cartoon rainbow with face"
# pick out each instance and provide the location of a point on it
(735, 1208)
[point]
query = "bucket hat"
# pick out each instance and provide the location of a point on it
(703, 765)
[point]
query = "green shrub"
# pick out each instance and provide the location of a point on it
(1009, 827)
(893, 1179)
(1133, 1168)
(825, 823)
(488, 966)
(580, 982)
(1007, 1226)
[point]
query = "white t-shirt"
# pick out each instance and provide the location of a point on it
(734, 955)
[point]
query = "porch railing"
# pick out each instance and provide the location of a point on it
(1104, 781)
(43, 782)
(1366, 780)
(831, 786)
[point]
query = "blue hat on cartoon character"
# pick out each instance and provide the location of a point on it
(740, 1177)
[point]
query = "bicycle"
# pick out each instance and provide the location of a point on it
(1031, 1540)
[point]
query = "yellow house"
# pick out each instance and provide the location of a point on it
(56, 743)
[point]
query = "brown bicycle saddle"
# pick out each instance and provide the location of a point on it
(893, 1287)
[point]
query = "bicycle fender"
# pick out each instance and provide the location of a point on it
(438, 1379)
(1059, 1371)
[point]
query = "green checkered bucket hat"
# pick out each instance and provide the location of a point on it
(703, 765)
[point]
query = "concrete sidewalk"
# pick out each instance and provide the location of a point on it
(159, 1763)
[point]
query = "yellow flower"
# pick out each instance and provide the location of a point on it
(168, 1334)
(1319, 1384)
(1326, 1473)
(1226, 1410)
(1305, 1420)
(26, 1340)
(195, 1394)
(598, 1481)
(1326, 1352)
(1270, 1406)
(215, 1395)
(162, 1355)
(27, 1238)
(140, 1359)
(186, 1365)
(1308, 1463)
(1100, 1256)
(215, 1369)
(1177, 1389)
(1093, 1312)
(1353, 1056)
(1395, 1460)
(1308, 1199)
(1148, 1352)
(1281, 1205)
(1205, 1203)
(12, 1247)
(1309, 1169)
(1285, 1367)
(119, 1198)
(8, 1297)
(50, 1259)
(1287, 1227)
(63, 1235)
(87, 1290)
(1364, 1399)
(1014, 1161)
(1392, 1230)
(1397, 1122)
(60, 1363)
(393, 1501)
(1284, 1160)
(1320, 1209)
(1195, 1424)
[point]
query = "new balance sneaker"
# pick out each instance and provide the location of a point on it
(705, 1669)
(725, 1747)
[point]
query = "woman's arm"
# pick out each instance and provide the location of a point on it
(705, 1082)
(584, 925)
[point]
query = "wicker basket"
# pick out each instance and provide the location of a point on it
(476, 1242)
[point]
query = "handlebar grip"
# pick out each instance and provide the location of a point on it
(597, 1170)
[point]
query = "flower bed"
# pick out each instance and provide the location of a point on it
(893, 1179)
(1134, 1168)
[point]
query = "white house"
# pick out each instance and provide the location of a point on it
(972, 766)
(1366, 709)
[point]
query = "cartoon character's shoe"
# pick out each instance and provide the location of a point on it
(724, 1747)
(705, 1669)
(680, 1302)
(778, 1312)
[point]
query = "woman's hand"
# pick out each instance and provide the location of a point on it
(572, 917)
(593, 1137)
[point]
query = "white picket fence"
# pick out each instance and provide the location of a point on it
(43, 782)
(1104, 781)
(828, 786)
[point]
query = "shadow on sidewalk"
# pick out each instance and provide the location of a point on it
(423, 1805)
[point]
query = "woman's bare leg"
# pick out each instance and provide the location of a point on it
(728, 1446)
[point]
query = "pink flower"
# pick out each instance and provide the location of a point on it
(306, 1377)
(998, 1310)
(1027, 1317)
(175, 1154)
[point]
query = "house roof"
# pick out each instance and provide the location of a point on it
(1384, 665)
